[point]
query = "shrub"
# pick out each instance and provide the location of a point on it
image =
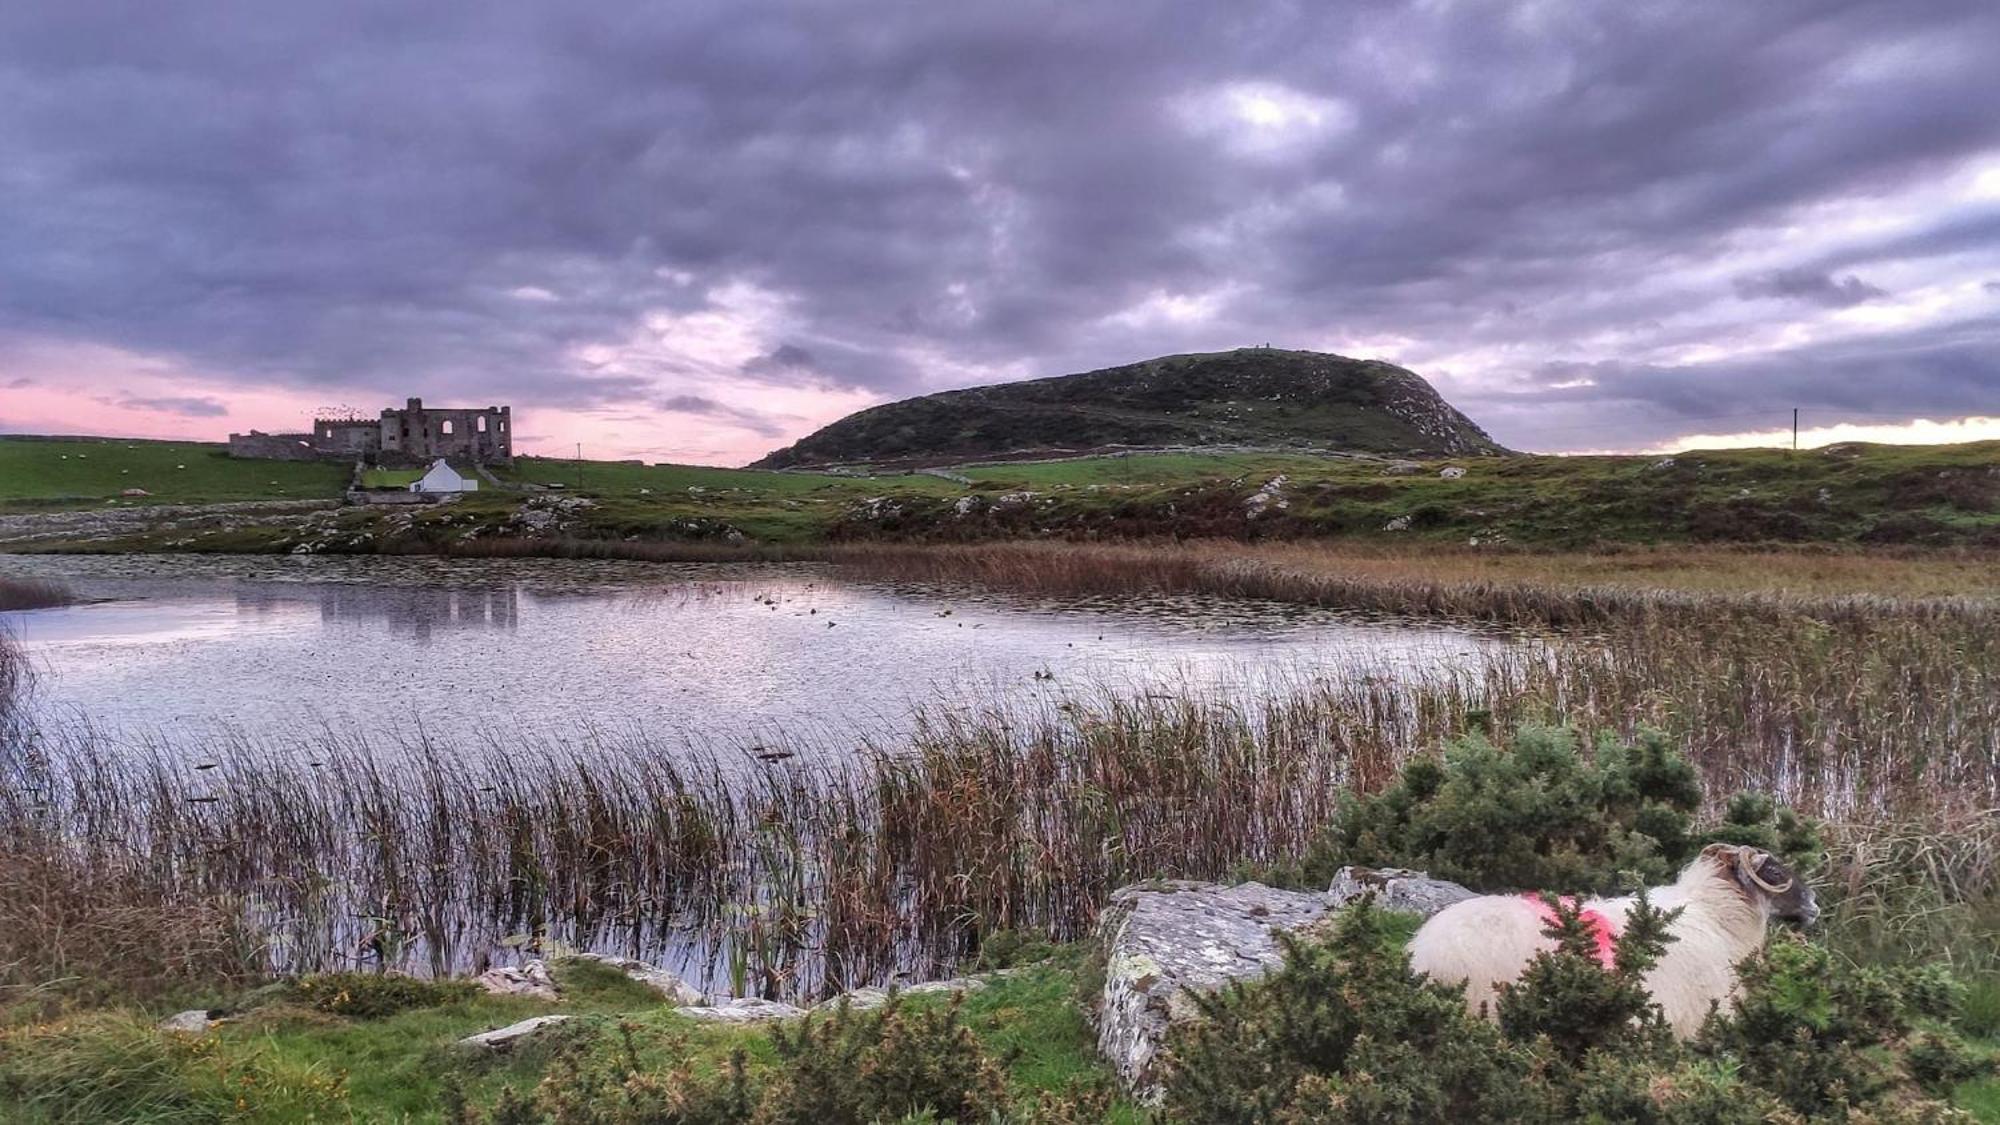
(1345, 1032)
(1345, 1026)
(899, 1063)
(368, 996)
(1539, 814)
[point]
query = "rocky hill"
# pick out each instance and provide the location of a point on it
(1255, 397)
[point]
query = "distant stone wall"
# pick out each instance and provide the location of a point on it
(277, 447)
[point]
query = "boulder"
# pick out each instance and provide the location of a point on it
(1395, 888)
(1400, 523)
(741, 1010)
(1162, 941)
(669, 986)
(505, 1038)
(1402, 468)
(1451, 472)
(868, 999)
(195, 1021)
(531, 979)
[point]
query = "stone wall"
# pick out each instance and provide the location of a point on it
(277, 447)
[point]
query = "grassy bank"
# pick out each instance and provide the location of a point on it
(58, 474)
(1854, 495)
(149, 882)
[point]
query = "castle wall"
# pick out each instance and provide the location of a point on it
(274, 447)
(413, 435)
(419, 433)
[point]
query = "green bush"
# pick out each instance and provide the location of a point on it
(368, 996)
(1540, 814)
(1345, 1032)
(846, 1068)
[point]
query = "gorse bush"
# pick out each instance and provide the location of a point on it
(374, 996)
(1346, 1032)
(901, 1063)
(1540, 814)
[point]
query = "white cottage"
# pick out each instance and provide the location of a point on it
(443, 478)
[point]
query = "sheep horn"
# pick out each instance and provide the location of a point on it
(1748, 860)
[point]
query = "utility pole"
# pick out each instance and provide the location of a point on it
(1795, 429)
(579, 461)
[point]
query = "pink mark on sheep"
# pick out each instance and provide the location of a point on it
(1602, 929)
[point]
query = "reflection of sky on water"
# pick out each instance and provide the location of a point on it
(562, 654)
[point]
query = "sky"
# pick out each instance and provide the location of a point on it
(696, 231)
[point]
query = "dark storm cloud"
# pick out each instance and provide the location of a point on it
(1809, 285)
(495, 199)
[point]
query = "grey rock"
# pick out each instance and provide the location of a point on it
(1400, 523)
(868, 999)
(1395, 888)
(669, 986)
(192, 1022)
(531, 979)
(1451, 472)
(742, 1010)
(1402, 468)
(1163, 941)
(505, 1038)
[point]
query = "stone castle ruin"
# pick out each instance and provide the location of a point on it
(413, 435)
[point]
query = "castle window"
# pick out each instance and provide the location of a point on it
(446, 427)
(480, 423)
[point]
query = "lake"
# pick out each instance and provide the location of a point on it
(188, 651)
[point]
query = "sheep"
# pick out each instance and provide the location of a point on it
(1727, 896)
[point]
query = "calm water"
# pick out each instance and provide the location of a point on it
(189, 650)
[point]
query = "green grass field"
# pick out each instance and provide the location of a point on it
(1944, 495)
(44, 475)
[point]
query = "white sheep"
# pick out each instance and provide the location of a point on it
(1727, 898)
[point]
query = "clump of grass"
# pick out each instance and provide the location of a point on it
(110, 1066)
(26, 593)
(369, 996)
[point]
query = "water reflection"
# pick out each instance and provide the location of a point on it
(559, 657)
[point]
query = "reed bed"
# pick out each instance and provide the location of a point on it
(22, 593)
(794, 877)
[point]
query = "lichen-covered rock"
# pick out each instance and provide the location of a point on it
(669, 986)
(868, 999)
(195, 1021)
(1160, 941)
(741, 1010)
(1394, 888)
(532, 980)
(504, 1038)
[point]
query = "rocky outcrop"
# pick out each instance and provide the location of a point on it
(196, 1021)
(1164, 942)
(531, 980)
(505, 1038)
(1395, 888)
(665, 984)
(741, 1010)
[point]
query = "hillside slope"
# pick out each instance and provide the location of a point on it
(1258, 397)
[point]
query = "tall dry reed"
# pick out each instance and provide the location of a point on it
(798, 876)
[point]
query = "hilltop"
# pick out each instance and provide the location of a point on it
(1260, 398)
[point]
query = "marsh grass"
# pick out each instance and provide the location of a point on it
(22, 593)
(798, 877)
